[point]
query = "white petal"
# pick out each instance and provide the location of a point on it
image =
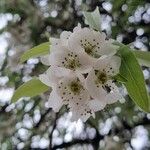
(114, 95)
(54, 41)
(64, 36)
(63, 58)
(85, 61)
(77, 102)
(108, 49)
(110, 65)
(44, 79)
(53, 75)
(97, 104)
(106, 93)
(77, 28)
(76, 37)
(55, 102)
(81, 77)
(55, 61)
(55, 44)
(61, 72)
(45, 60)
(96, 91)
(81, 111)
(67, 95)
(87, 37)
(113, 66)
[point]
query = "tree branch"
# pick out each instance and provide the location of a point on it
(51, 134)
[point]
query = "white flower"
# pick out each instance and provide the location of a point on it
(92, 42)
(70, 91)
(56, 44)
(52, 76)
(55, 102)
(73, 93)
(45, 60)
(82, 67)
(75, 61)
(99, 81)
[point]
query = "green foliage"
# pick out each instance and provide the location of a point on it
(29, 89)
(120, 78)
(36, 51)
(135, 84)
(93, 19)
(143, 57)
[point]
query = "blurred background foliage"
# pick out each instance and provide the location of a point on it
(30, 124)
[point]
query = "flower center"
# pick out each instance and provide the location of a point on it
(89, 48)
(101, 77)
(72, 63)
(75, 87)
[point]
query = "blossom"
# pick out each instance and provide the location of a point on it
(75, 95)
(63, 40)
(92, 42)
(70, 91)
(58, 44)
(82, 67)
(99, 81)
(75, 61)
(53, 75)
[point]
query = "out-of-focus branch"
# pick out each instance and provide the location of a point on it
(95, 141)
(2, 109)
(42, 117)
(74, 142)
(51, 134)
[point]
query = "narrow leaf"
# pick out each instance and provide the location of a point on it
(29, 89)
(93, 19)
(36, 51)
(143, 57)
(135, 84)
(120, 78)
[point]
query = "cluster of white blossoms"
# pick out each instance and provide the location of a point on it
(82, 65)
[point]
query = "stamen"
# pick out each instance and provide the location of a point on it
(101, 77)
(90, 49)
(72, 62)
(75, 87)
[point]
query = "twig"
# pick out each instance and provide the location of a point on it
(51, 134)
(42, 118)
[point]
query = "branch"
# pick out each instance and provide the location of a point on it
(51, 134)
(42, 118)
(93, 142)
(74, 142)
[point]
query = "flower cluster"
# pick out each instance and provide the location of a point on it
(82, 65)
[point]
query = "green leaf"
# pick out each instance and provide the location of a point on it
(120, 78)
(135, 84)
(143, 57)
(29, 89)
(36, 51)
(93, 19)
